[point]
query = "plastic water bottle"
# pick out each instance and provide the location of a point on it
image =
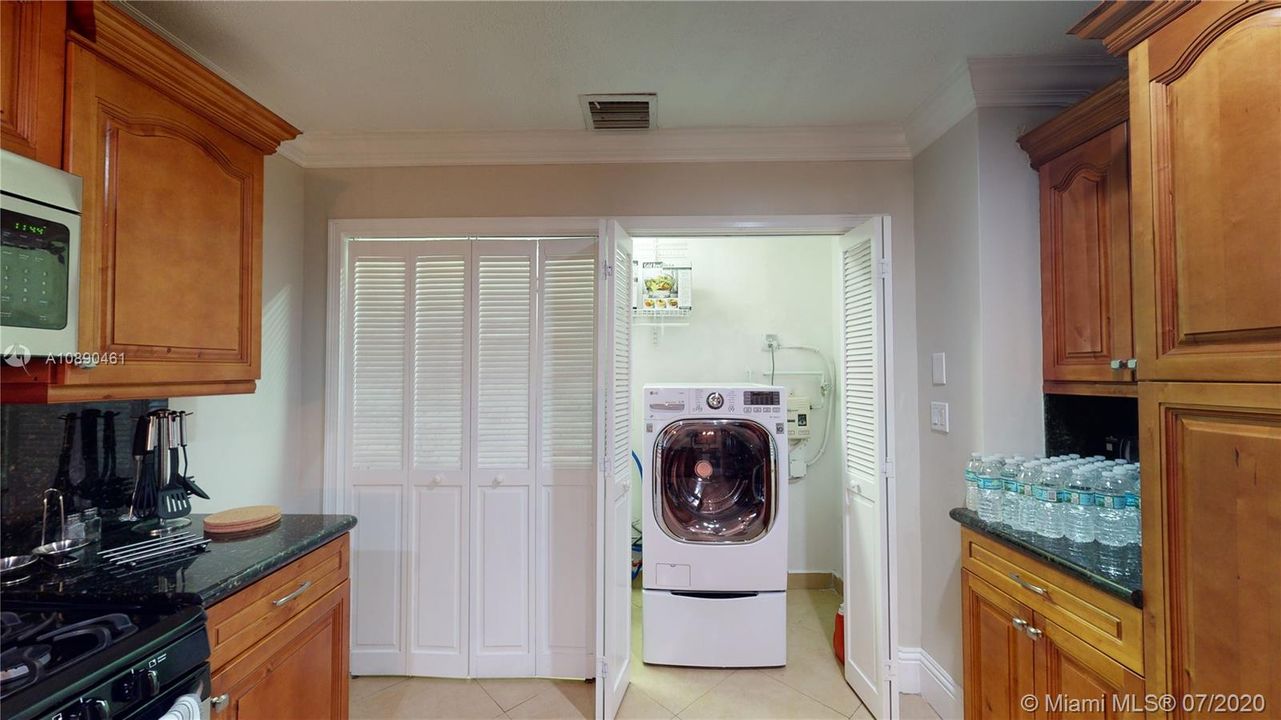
(972, 481)
(1113, 527)
(991, 487)
(1133, 521)
(1078, 520)
(1029, 477)
(1013, 490)
(1049, 509)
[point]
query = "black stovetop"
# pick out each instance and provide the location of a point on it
(51, 650)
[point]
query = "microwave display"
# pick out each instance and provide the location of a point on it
(33, 271)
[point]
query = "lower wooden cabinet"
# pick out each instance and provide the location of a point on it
(281, 646)
(1034, 648)
(1211, 529)
(998, 652)
(298, 673)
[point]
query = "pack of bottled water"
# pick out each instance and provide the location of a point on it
(1085, 508)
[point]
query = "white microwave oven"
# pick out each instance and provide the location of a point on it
(40, 257)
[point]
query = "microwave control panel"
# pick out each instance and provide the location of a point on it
(33, 271)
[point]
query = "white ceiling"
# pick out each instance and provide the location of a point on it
(378, 66)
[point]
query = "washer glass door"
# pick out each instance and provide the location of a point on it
(715, 481)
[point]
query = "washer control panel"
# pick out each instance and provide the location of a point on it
(661, 402)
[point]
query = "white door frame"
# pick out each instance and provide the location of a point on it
(343, 230)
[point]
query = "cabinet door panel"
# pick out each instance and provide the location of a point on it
(1208, 227)
(32, 73)
(297, 673)
(172, 234)
(1090, 684)
(1212, 521)
(439, 605)
(502, 594)
(998, 656)
(1085, 260)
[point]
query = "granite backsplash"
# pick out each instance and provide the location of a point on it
(1082, 424)
(31, 438)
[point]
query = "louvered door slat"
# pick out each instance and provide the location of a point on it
(568, 357)
(859, 359)
(378, 347)
(440, 356)
(504, 304)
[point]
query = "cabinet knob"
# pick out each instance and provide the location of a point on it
(1116, 364)
(1034, 633)
(499, 479)
(220, 702)
(1019, 624)
(1132, 363)
(437, 479)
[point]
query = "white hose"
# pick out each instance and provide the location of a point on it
(827, 389)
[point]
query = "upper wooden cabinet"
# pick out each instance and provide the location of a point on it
(1082, 157)
(171, 244)
(33, 40)
(1211, 526)
(1206, 118)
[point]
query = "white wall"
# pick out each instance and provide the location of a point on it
(978, 301)
(745, 287)
(245, 448)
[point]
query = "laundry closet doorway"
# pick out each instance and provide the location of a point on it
(465, 441)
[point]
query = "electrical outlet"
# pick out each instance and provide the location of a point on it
(771, 341)
(938, 417)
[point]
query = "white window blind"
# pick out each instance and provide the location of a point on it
(859, 359)
(504, 303)
(440, 356)
(621, 451)
(568, 357)
(378, 362)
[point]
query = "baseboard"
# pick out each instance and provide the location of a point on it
(919, 673)
(810, 580)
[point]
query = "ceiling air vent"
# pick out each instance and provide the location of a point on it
(618, 111)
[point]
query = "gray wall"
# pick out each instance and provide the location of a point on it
(978, 301)
(245, 449)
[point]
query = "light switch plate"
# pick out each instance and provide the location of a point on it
(938, 417)
(938, 365)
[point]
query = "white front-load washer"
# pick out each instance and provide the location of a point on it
(714, 541)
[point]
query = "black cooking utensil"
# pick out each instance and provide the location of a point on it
(144, 500)
(172, 501)
(89, 489)
(184, 479)
(62, 477)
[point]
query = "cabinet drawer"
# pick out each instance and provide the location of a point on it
(243, 619)
(1104, 621)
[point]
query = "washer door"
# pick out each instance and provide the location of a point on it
(715, 481)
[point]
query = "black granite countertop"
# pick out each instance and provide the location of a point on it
(204, 578)
(1083, 568)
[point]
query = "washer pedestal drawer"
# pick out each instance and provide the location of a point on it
(715, 629)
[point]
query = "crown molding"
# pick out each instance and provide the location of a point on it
(1008, 81)
(537, 147)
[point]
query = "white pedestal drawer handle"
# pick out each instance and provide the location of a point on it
(284, 600)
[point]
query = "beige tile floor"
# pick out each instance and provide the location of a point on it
(810, 686)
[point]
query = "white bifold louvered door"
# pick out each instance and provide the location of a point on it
(502, 462)
(867, 650)
(613, 543)
(471, 411)
(566, 477)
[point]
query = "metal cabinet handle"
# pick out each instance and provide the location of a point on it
(1132, 363)
(1116, 364)
(1034, 633)
(220, 702)
(1027, 585)
(284, 600)
(1019, 624)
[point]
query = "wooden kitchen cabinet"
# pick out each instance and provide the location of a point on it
(1205, 102)
(1082, 160)
(1211, 525)
(1029, 629)
(999, 666)
(33, 40)
(280, 648)
(171, 245)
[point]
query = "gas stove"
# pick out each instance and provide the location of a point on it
(102, 661)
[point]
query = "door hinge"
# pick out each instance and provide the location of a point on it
(890, 674)
(607, 270)
(883, 267)
(604, 668)
(887, 470)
